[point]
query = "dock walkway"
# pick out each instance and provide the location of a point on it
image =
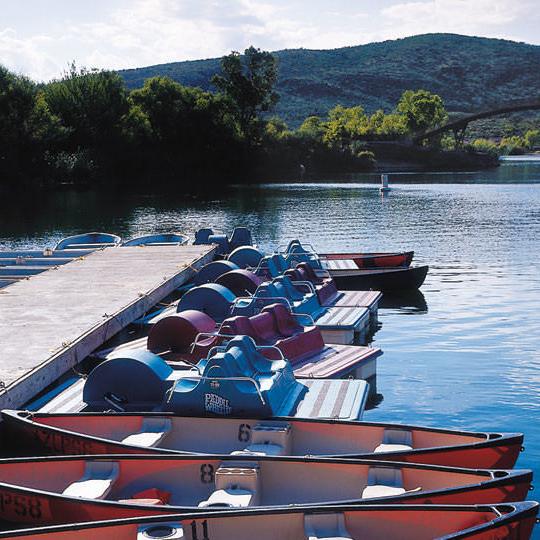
(52, 321)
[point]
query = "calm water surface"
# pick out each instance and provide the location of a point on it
(464, 354)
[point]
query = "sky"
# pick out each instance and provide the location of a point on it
(39, 38)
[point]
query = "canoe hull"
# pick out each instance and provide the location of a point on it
(387, 279)
(22, 503)
(54, 434)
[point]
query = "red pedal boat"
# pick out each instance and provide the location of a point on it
(151, 433)
(369, 522)
(88, 488)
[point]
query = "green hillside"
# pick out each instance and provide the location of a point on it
(468, 72)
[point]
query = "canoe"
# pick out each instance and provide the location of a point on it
(164, 239)
(136, 433)
(92, 240)
(373, 260)
(381, 279)
(51, 490)
(368, 522)
(351, 275)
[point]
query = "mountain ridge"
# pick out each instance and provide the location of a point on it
(470, 73)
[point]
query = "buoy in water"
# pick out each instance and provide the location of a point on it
(384, 183)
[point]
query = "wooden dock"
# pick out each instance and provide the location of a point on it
(53, 320)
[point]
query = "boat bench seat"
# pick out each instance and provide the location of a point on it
(96, 482)
(326, 526)
(395, 440)
(269, 439)
(385, 482)
(152, 432)
(339, 264)
(263, 449)
(229, 498)
(237, 486)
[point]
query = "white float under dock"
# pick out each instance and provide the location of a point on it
(53, 320)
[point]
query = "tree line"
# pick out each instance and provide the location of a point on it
(87, 128)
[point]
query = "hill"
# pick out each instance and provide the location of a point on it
(470, 73)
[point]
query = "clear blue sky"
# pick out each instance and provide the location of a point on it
(40, 37)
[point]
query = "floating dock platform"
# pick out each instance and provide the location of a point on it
(53, 320)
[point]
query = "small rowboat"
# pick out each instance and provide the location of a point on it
(87, 488)
(380, 279)
(164, 239)
(136, 433)
(369, 522)
(92, 240)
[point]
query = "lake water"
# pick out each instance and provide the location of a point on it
(463, 354)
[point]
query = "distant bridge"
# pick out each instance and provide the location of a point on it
(459, 125)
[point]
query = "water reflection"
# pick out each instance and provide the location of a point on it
(463, 352)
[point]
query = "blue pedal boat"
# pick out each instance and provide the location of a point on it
(241, 236)
(234, 380)
(163, 239)
(91, 240)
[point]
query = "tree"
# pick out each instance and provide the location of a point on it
(532, 138)
(345, 125)
(422, 110)
(248, 82)
(312, 127)
(180, 128)
(91, 104)
(27, 127)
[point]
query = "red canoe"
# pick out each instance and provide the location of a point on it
(373, 260)
(89, 488)
(151, 433)
(369, 522)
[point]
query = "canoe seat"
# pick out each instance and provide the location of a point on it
(327, 526)
(269, 439)
(395, 440)
(340, 264)
(237, 486)
(152, 432)
(96, 482)
(383, 482)
(229, 498)
(265, 449)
